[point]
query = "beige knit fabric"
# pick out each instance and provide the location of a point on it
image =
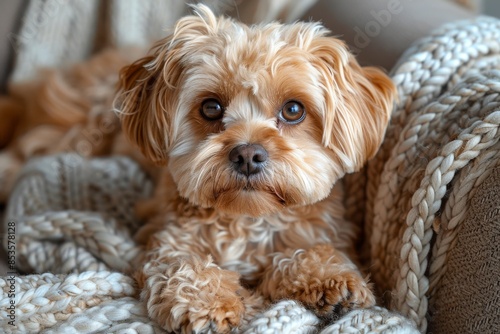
(447, 119)
(470, 286)
(54, 34)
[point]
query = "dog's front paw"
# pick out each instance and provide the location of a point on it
(197, 298)
(322, 279)
(218, 312)
(334, 295)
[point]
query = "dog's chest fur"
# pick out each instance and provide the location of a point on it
(246, 244)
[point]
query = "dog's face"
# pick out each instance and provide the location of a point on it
(251, 120)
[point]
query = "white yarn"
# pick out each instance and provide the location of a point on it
(284, 317)
(456, 208)
(125, 315)
(374, 320)
(54, 34)
(45, 300)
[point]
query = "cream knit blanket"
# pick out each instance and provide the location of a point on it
(74, 218)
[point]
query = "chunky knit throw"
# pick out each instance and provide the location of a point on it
(74, 219)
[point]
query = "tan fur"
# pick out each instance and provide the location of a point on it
(221, 243)
(10, 114)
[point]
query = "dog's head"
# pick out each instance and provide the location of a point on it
(251, 120)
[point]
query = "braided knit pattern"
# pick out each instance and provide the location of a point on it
(47, 299)
(375, 320)
(284, 317)
(447, 119)
(430, 67)
(86, 205)
(453, 214)
(123, 315)
(74, 218)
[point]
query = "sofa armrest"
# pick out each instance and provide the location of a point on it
(379, 31)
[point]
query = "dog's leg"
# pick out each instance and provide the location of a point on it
(321, 278)
(193, 296)
(187, 292)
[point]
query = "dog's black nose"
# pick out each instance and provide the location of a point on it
(248, 159)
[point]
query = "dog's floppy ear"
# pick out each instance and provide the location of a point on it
(145, 119)
(148, 89)
(358, 103)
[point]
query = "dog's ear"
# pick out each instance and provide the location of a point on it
(148, 89)
(145, 119)
(358, 103)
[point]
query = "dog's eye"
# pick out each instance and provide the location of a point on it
(293, 112)
(212, 109)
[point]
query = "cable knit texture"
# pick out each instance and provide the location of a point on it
(430, 212)
(441, 145)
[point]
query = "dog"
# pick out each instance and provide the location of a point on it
(255, 126)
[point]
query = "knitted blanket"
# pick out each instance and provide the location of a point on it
(71, 220)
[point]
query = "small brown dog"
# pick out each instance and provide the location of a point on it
(255, 126)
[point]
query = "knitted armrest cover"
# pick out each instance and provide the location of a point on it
(433, 237)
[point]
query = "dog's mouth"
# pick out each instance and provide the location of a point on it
(246, 186)
(249, 201)
(252, 186)
(252, 195)
(249, 187)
